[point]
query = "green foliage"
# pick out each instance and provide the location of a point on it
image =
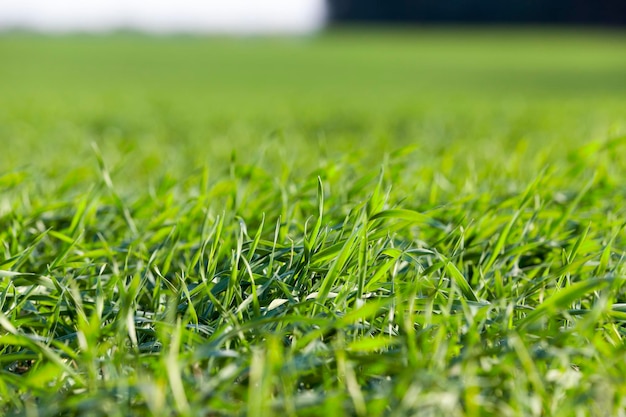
(397, 223)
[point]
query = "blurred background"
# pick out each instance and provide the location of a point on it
(294, 16)
(208, 16)
(599, 12)
(304, 78)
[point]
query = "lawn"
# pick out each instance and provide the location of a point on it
(378, 222)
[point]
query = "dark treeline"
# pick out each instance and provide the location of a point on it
(596, 12)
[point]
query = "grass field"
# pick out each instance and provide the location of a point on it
(394, 222)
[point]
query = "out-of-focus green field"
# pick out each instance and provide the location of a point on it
(204, 97)
(365, 222)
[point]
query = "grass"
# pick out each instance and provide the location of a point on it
(414, 222)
